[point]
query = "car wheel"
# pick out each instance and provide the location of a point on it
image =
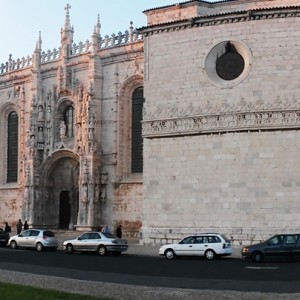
(210, 254)
(69, 249)
(169, 254)
(102, 250)
(39, 247)
(13, 245)
(257, 257)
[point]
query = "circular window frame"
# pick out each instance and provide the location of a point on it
(216, 52)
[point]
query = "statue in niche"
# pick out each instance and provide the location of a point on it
(48, 116)
(103, 180)
(40, 134)
(34, 101)
(40, 113)
(62, 130)
(97, 192)
(85, 192)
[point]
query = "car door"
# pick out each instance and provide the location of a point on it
(94, 241)
(290, 245)
(81, 243)
(32, 239)
(23, 238)
(200, 245)
(274, 246)
(185, 247)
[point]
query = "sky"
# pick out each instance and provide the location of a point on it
(22, 20)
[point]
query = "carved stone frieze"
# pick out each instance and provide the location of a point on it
(173, 121)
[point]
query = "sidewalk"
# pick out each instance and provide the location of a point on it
(134, 248)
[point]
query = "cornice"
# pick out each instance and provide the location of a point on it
(174, 121)
(224, 18)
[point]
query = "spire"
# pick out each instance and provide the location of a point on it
(67, 19)
(97, 26)
(67, 34)
(96, 36)
(39, 43)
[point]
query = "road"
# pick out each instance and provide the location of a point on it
(191, 273)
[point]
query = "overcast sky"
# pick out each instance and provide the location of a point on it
(21, 21)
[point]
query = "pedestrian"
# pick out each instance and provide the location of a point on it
(26, 226)
(105, 229)
(7, 228)
(19, 226)
(119, 231)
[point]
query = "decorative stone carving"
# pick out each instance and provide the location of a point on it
(221, 118)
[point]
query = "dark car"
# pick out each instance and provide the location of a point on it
(278, 246)
(4, 237)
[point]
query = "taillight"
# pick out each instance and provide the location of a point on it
(44, 237)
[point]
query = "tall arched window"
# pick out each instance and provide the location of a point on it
(136, 131)
(69, 121)
(12, 147)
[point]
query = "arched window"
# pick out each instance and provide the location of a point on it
(69, 121)
(136, 131)
(12, 147)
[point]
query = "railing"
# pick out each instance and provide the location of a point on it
(129, 36)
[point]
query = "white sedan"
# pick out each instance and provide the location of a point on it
(96, 242)
(209, 245)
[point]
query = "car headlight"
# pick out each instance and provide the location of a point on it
(245, 250)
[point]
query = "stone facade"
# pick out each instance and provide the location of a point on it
(220, 125)
(74, 108)
(221, 149)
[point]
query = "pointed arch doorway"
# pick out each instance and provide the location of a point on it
(61, 202)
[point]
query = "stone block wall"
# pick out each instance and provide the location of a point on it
(244, 185)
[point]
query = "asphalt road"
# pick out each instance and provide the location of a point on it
(192, 273)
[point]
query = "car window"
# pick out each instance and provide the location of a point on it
(34, 232)
(94, 236)
(276, 240)
(291, 239)
(214, 239)
(85, 236)
(26, 233)
(188, 240)
(49, 233)
(198, 240)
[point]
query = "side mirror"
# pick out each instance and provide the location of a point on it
(79, 238)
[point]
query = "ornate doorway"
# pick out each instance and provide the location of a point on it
(59, 205)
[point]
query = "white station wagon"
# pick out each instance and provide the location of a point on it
(209, 245)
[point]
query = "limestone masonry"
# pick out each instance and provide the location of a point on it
(189, 124)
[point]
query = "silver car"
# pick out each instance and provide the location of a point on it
(97, 242)
(39, 239)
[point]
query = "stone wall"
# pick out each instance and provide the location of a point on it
(245, 185)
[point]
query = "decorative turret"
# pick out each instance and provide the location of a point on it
(37, 53)
(96, 36)
(67, 34)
